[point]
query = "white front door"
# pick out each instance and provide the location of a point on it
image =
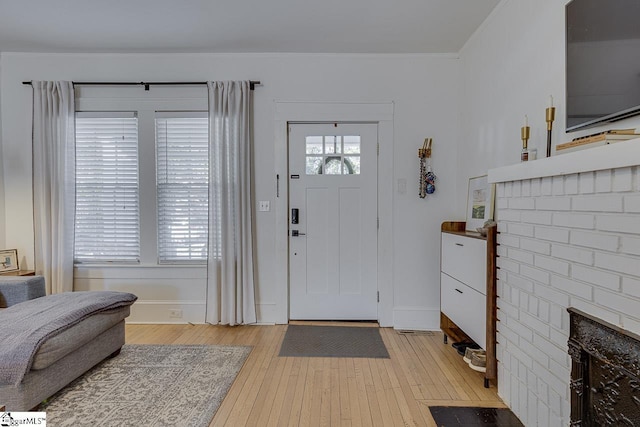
(333, 239)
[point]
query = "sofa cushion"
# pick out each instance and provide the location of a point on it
(17, 289)
(58, 346)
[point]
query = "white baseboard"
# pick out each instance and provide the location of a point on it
(267, 313)
(416, 319)
(149, 312)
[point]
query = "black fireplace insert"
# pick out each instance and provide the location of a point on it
(605, 373)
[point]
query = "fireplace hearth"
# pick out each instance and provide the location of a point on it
(605, 373)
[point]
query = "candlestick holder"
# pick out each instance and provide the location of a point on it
(524, 134)
(550, 117)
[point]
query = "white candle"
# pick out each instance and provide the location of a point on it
(526, 120)
(551, 101)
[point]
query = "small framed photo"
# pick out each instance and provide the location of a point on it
(480, 200)
(8, 260)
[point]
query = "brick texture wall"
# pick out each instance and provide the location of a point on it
(565, 241)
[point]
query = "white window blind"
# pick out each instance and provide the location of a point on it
(107, 227)
(182, 169)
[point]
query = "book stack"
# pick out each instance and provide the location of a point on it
(603, 138)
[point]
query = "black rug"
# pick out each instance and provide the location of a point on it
(332, 341)
(451, 416)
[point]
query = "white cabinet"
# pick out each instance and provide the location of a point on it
(465, 259)
(468, 289)
(466, 307)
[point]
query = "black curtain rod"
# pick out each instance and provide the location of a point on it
(146, 85)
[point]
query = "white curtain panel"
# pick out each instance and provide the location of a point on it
(230, 282)
(54, 182)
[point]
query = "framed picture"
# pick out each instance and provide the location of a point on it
(8, 260)
(480, 201)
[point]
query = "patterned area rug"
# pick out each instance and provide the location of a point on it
(150, 385)
(332, 341)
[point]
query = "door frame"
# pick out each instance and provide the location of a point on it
(328, 112)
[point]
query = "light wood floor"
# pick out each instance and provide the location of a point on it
(288, 391)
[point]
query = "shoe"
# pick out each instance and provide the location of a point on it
(462, 348)
(461, 343)
(469, 352)
(478, 362)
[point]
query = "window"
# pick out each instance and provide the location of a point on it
(182, 174)
(333, 155)
(150, 207)
(107, 225)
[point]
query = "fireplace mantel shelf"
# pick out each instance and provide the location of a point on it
(618, 155)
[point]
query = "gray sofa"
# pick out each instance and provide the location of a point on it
(65, 355)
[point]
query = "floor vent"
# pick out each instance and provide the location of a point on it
(410, 332)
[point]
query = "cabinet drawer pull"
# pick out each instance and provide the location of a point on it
(459, 290)
(459, 244)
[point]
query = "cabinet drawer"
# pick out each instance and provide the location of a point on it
(465, 259)
(465, 306)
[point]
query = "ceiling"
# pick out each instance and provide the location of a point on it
(220, 26)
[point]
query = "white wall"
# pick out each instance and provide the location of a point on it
(510, 67)
(424, 90)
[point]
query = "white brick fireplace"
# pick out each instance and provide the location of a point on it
(569, 237)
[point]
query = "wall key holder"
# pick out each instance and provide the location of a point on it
(427, 177)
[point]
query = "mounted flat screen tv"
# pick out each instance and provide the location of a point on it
(603, 61)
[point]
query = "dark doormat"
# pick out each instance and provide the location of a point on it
(451, 416)
(332, 341)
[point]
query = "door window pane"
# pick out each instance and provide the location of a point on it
(314, 145)
(352, 144)
(331, 144)
(352, 165)
(314, 165)
(332, 166)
